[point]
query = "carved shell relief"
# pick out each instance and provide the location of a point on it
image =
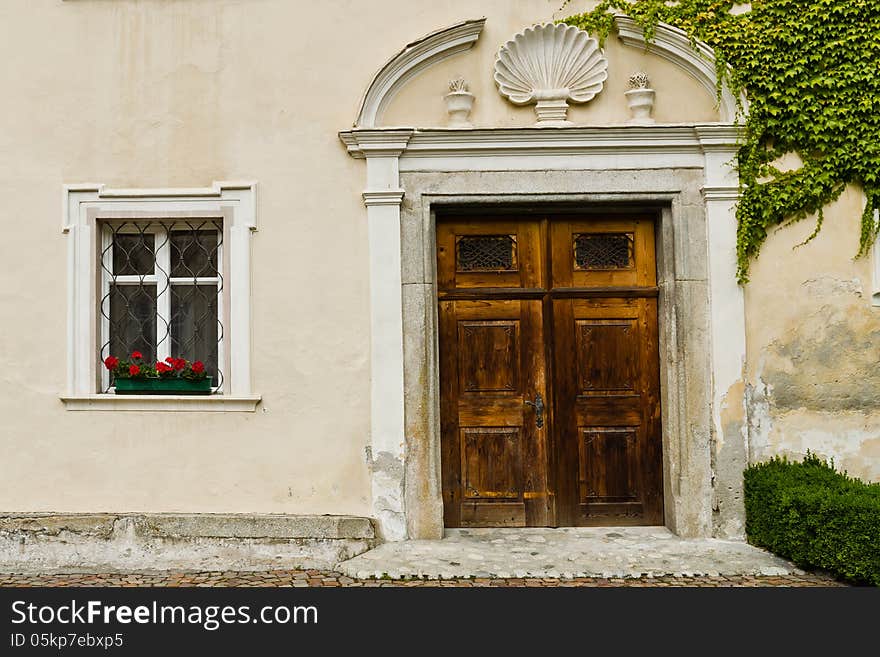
(550, 65)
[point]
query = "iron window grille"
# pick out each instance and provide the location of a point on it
(487, 253)
(603, 251)
(162, 292)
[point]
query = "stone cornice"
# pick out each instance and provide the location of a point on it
(384, 197)
(654, 139)
(389, 142)
(75, 194)
(719, 136)
(721, 193)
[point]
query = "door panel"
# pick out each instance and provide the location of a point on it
(564, 308)
(599, 342)
(603, 253)
(488, 356)
(494, 457)
(608, 413)
(608, 466)
(490, 254)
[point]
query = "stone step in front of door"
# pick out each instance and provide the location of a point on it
(564, 553)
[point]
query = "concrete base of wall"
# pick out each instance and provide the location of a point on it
(33, 543)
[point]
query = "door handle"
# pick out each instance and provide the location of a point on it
(538, 405)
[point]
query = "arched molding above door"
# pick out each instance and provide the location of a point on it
(412, 60)
(695, 58)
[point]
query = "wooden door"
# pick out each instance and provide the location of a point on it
(606, 385)
(492, 361)
(549, 371)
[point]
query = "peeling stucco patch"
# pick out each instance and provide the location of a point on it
(825, 366)
(729, 461)
(850, 439)
(388, 494)
(760, 421)
(816, 384)
(732, 404)
(387, 464)
(821, 287)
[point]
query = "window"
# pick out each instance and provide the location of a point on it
(603, 251)
(486, 253)
(165, 272)
(162, 292)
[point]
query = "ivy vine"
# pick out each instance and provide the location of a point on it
(810, 70)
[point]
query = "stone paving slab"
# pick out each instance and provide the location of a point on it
(603, 552)
(325, 579)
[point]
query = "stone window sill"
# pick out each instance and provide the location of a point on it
(199, 403)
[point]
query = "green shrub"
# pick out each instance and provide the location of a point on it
(816, 517)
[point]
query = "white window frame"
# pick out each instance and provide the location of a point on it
(86, 206)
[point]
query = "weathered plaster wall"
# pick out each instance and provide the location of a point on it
(813, 345)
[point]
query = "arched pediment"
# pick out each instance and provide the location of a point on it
(412, 60)
(688, 64)
(696, 59)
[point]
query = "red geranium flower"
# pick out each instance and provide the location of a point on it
(136, 354)
(170, 360)
(111, 362)
(162, 368)
(198, 367)
(179, 364)
(134, 370)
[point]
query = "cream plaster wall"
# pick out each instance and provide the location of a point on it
(813, 342)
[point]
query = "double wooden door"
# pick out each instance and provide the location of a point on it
(549, 371)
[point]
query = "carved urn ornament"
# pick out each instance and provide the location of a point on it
(459, 102)
(640, 99)
(550, 65)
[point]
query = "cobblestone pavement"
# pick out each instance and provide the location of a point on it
(315, 578)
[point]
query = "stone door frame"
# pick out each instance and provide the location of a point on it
(681, 171)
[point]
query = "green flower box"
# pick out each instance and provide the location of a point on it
(173, 386)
